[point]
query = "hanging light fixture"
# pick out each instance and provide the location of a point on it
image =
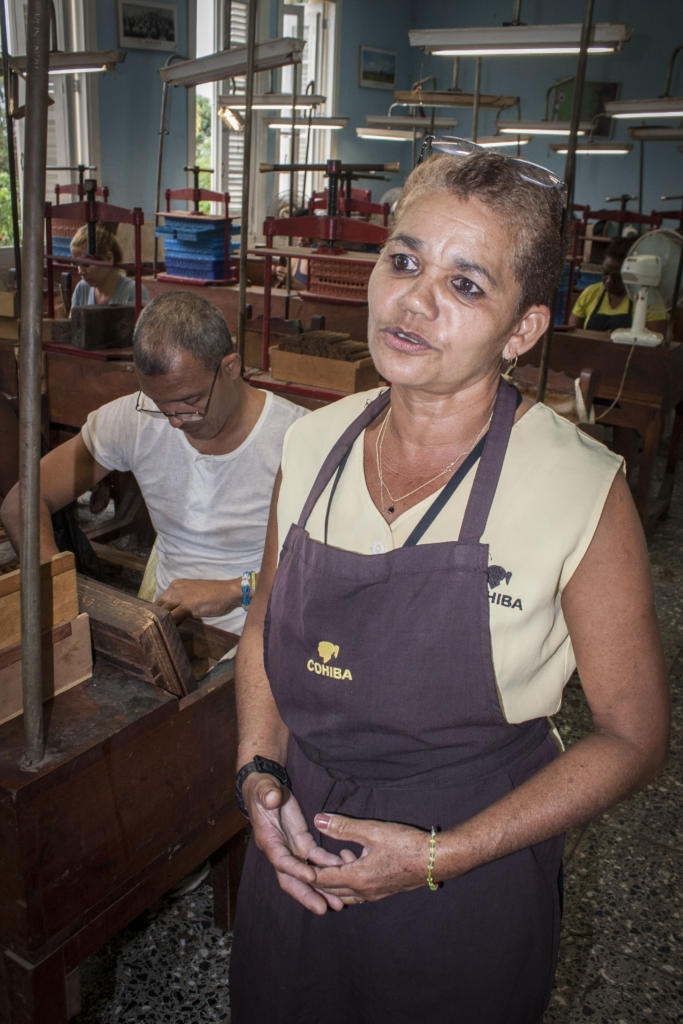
(665, 106)
(541, 127)
(76, 62)
(272, 101)
(387, 134)
(662, 106)
(314, 123)
(214, 67)
(657, 133)
(410, 122)
(518, 40)
(502, 141)
(592, 148)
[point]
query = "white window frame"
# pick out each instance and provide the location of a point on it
(72, 121)
(261, 186)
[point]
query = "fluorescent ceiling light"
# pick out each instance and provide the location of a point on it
(272, 101)
(499, 141)
(518, 40)
(665, 106)
(228, 63)
(541, 127)
(78, 62)
(407, 121)
(315, 123)
(595, 148)
(387, 134)
(657, 133)
(454, 98)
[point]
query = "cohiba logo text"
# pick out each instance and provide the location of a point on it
(326, 651)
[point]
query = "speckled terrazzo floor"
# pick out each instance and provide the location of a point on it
(620, 956)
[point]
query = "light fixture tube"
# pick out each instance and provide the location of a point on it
(541, 127)
(386, 134)
(407, 121)
(272, 101)
(594, 148)
(518, 40)
(316, 123)
(76, 62)
(657, 133)
(501, 141)
(229, 63)
(665, 106)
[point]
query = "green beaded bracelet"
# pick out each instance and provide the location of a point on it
(432, 858)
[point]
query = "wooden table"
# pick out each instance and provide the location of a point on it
(135, 792)
(651, 387)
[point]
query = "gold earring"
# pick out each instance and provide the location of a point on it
(509, 369)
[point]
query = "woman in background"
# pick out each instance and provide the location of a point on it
(104, 283)
(606, 305)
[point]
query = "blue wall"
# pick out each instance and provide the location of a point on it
(130, 112)
(640, 69)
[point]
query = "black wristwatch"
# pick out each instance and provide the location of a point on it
(263, 766)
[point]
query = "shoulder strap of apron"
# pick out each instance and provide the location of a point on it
(488, 471)
(492, 448)
(341, 448)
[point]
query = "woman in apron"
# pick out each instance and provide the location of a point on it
(406, 794)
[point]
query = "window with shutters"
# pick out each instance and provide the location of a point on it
(219, 147)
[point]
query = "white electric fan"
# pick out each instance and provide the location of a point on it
(649, 273)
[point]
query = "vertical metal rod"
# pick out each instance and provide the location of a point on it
(475, 104)
(569, 177)
(641, 174)
(30, 353)
(246, 172)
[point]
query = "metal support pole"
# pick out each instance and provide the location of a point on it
(246, 172)
(475, 104)
(569, 177)
(30, 353)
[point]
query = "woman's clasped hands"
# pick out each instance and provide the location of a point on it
(393, 857)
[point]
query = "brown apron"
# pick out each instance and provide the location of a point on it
(381, 668)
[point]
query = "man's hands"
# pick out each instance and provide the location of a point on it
(281, 833)
(202, 598)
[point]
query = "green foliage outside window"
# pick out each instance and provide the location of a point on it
(6, 233)
(203, 145)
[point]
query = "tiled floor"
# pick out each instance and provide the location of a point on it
(620, 957)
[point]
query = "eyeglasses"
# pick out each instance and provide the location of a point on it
(533, 173)
(194, 414)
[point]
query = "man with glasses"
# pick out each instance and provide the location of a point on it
(204, 447)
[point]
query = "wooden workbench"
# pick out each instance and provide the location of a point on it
(134, 793)
(653, 386)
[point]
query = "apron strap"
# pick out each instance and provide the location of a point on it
(491, 464)
(340, 449)
(439, 502)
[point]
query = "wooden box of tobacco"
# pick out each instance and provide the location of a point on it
(325, 359)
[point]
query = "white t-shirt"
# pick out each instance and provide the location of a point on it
(550, 496)
(209, 511)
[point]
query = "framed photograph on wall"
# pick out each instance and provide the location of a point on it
(146, 25)
(376, 68)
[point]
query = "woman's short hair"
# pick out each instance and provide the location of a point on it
(533, 213)
(105, 242)
(179, 321)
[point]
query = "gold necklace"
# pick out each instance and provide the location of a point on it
(451, 465)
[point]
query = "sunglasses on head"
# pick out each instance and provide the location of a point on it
(535, 174)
